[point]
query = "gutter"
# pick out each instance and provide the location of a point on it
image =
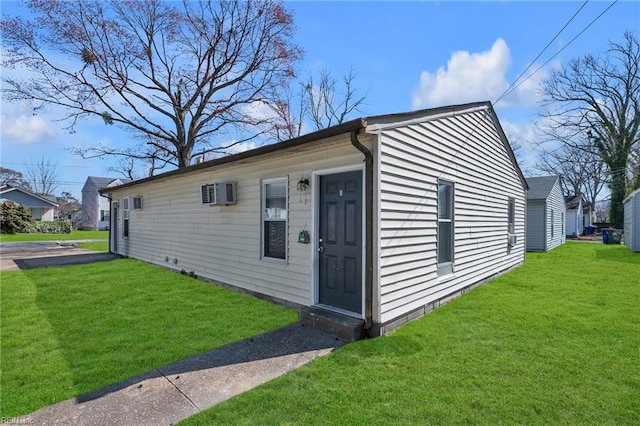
(368, 277)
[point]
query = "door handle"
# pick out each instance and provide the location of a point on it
(320, 249)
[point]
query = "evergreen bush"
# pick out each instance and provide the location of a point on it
(14, 218)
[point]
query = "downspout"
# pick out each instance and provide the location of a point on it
(108, 197)
(368, 277)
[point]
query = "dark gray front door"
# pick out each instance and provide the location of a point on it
(340, 241)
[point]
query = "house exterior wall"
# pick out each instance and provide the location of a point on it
(575, 221)
(40, 210)
(47, 215)
(572, 222)
(93, 207)
(546, 221)
(223, 243)
(103, 213)
(89, 207)
(467, 151)
(632, 221)
(555, 218)
(536, 234)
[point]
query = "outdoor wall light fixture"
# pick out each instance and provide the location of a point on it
(303, 185)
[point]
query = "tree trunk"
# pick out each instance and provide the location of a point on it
(616, 209)
(184, 157)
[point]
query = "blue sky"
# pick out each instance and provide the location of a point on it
(407, 56)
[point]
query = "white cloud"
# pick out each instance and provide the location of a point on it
(242, 147)
(259, 111)
(471, 77)
(26, 129)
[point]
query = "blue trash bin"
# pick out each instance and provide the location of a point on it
(592, 229)
(605, 235)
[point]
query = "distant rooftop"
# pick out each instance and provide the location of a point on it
(540, 187)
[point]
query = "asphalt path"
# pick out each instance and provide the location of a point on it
(44, 254)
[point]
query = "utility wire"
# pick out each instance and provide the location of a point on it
(475, 127)
(560, 51)
(511, 88)
(57, 165)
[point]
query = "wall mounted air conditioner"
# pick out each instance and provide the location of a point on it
(219, 193)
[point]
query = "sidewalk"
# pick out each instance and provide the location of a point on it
(176, 391)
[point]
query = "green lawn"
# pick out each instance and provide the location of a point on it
(69, 330)
(74, 235)
(99, 246)
(556, 341)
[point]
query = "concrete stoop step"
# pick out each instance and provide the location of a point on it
(342, 326)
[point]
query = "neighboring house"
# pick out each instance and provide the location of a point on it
(42, 207)
(632, 221)
(575, 215)
(95, 207)
(545, 213)
(587, 214)
(379, 219)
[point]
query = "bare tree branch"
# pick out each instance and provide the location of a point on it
(42, 176)
(180, 74)
(598, 98)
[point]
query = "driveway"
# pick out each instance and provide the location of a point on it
(43, 254)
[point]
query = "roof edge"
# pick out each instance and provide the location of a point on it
(381, 122)
(24, 191)
(328, 132)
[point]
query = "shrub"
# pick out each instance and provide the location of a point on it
(14, 218)
(55, 227)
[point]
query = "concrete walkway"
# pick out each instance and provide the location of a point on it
(176, 391)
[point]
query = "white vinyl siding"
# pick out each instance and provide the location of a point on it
(632, 221)
(467, 151)
(223, 243)
(575, 221)
(555, 222)
(536, 235)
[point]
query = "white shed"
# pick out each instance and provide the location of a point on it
(632, 221)
(575, 215)
(379, 219)
(545, 213)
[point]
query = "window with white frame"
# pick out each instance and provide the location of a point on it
(105, 215)
(552, 224)
(512, 216)
(445, 241)
(125, 217)
(274, 218)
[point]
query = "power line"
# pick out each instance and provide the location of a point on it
(509, 89)
(560, 51)
(56, 165)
